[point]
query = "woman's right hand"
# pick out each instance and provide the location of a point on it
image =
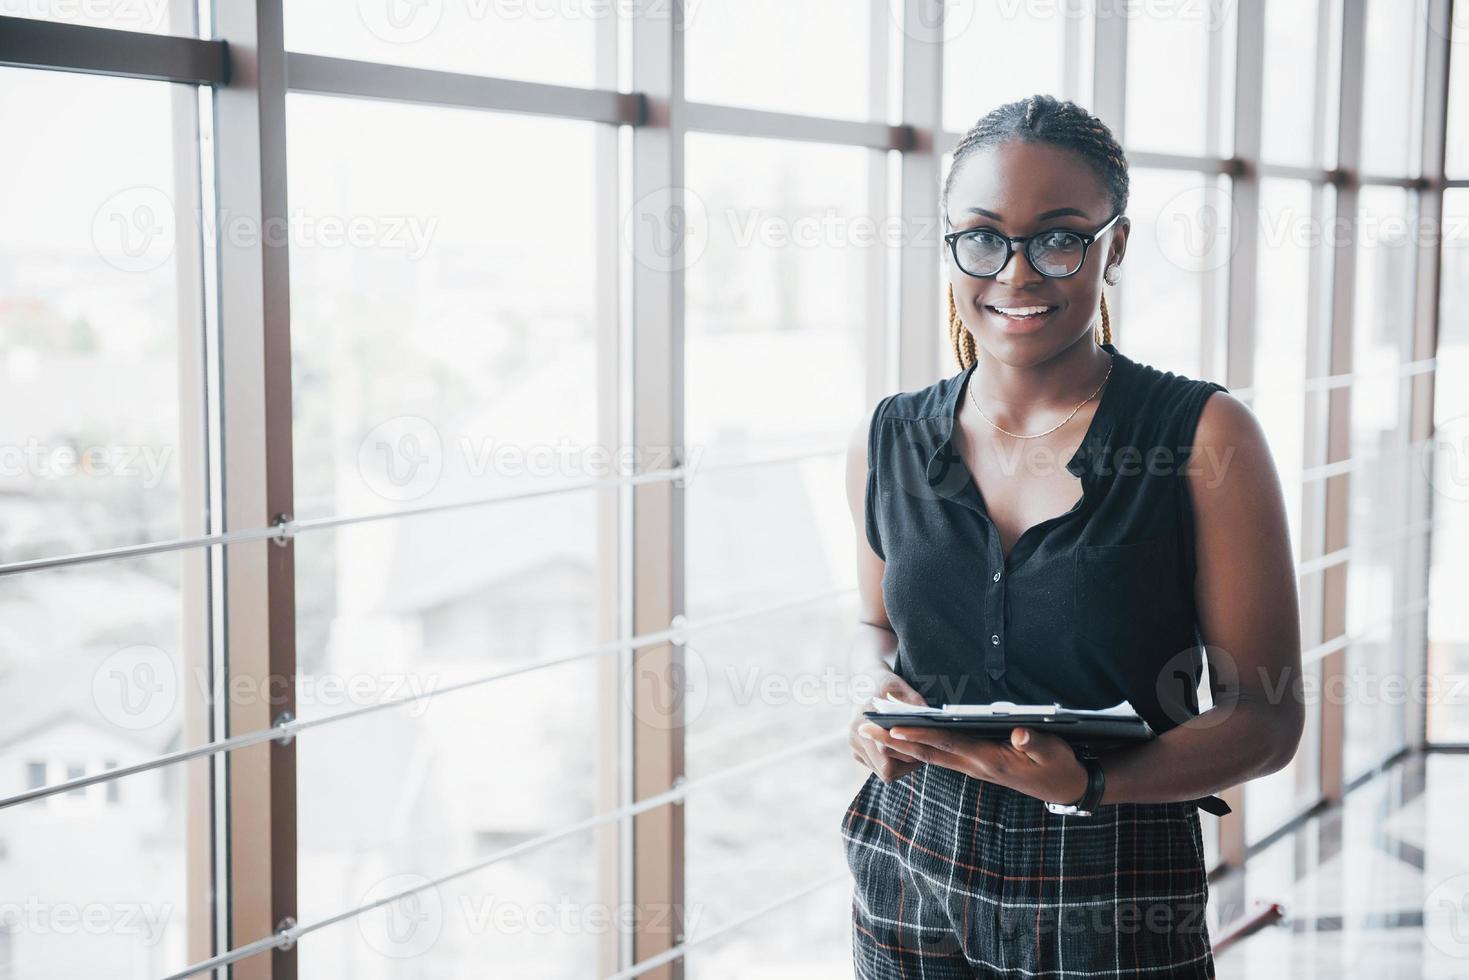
(886, 762)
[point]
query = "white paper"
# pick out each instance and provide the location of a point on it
(890, 705)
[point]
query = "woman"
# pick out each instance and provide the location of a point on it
(994, 573)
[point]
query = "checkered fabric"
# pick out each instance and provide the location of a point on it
(960, 877)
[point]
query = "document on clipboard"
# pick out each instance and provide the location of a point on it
(1086, 729)
(1089, 729)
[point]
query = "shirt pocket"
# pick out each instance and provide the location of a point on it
(1120, 596)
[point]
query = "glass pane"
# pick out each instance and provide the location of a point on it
(997, 53)
(1281, 317)
(442, 330)
(778, 295)
(751, 841)
(1456, 156)
(1279, 402)
(97, 881)
(1172, 275)
(103, 664)
(1288, 115)
(1382, 328)
(394, 800)
(529, 40)
(766, 534)
(1391, 112)
(1177, 53)
(100, 667)
(809, 939)
(98, 274)
(812, 58)
(1448, 621)
(448, 353)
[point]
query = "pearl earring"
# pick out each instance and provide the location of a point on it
(1113, 273)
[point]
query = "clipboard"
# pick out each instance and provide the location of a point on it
(1086, 730)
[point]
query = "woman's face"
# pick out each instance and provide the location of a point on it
(1020, 188)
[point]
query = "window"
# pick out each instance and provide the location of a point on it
(1172, 275)
(447, 453)
(1179, 71)
(1298, 51)
(826, 73)
(1044, 50)
(102, 433)
(1448, 625)
(530, 40)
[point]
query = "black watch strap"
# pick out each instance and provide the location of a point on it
(1095, 782)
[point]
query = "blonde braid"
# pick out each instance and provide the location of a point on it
(960, 338)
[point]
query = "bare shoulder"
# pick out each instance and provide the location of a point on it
(1230, 447)
(1235, 489)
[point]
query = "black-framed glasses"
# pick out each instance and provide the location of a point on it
(1056, 253)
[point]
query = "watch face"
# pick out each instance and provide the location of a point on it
(1068, 809)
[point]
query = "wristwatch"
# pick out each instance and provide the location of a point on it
(1085, 806)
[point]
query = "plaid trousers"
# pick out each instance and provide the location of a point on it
(959, 877)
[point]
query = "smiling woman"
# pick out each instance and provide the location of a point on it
(997, 575)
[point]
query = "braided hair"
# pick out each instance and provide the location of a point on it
(1041, 119)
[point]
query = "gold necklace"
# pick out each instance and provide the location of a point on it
(1111, 360)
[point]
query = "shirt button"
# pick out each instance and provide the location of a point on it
(996, 577)
(995, 639)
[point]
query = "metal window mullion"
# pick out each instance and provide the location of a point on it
(1073, 59)
(923, 317)
(741, 121)
(1209, 163)
(876, 325)
(658, 546)
(1109, 95)
(1318, 360)
(1421, 500)
(607, 328)
(1338, 400)
(321, 75)
(196, 653)
(1234, 350)
(26, 42)
(254, 342)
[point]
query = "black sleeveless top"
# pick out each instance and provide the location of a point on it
(1090, 607)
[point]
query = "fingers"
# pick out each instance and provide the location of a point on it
(882, 741)
(901, 690)
(881, 758)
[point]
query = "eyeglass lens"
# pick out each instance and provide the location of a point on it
(1056, 253)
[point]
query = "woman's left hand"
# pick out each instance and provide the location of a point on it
(1034, 763)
